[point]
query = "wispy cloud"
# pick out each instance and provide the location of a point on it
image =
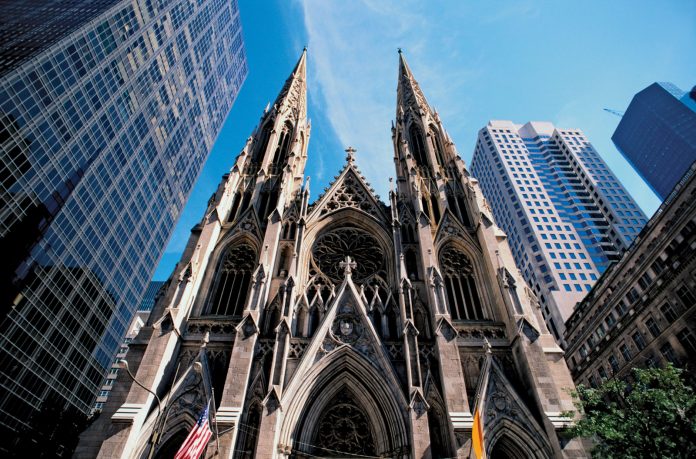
(353, 68)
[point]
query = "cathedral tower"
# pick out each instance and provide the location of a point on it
(346, 327)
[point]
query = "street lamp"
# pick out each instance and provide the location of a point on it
(154, 438)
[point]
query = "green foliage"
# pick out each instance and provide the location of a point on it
(654, 417)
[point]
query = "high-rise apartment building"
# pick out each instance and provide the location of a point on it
(107, 114)
(657, 135)
(566, 214)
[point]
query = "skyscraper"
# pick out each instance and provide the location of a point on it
(108, 111)
(347, 327)
(566, 214)
(657, 135)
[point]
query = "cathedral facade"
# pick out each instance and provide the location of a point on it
(347, 326)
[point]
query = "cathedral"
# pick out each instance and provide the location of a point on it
(347, 326)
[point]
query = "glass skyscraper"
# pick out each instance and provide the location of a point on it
(657, 135)
(566, 215)
(108, 111)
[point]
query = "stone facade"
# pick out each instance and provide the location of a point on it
(642, 311)
(347, 326)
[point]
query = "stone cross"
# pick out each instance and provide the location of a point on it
(348, 265)
(351, 154)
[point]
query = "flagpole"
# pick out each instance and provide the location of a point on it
(217, 433)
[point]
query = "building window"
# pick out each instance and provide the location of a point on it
(614, 362)
(632, 296)
(687, 340)
(686, 296)
(653, 328)
(602, 373)
(626, 353)
(462, 294)
(668, 312)
(639, 340)
(233, 281)
(669, 354)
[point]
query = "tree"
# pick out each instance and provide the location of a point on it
(653, 417)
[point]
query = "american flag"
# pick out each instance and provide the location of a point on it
(197, 439)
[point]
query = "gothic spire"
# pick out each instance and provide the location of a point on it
(294, 92)
(408, 93)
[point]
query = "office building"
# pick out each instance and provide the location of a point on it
(346, 327)
(107, 115)
(642, 311)
(139, 319)
(657, 135)
(566, 214)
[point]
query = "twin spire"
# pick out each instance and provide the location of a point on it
(408, 92)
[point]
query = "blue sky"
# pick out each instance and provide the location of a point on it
(557, 61)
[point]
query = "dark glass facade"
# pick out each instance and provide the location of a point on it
(657, 135)
(102, 136)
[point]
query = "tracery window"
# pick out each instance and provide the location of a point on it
(437, 145)
(234, 277)
(417, 145)
(331, 248)
(263, 143)
(460, 285)
(283, 148)
(343, 429)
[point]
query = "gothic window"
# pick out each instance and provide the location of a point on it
(417, 145)
(262, 146)
(267, 202)
(289, 229)
(283, 148)
(411, 262)
(233, 281)
(343, 430)
(407, 234)
(301, 322)
(463, 213)
(272, 318)
(437, 145)
(460, 286)
(235, 206)
(246, 444)
(245, 202)
(435, 208)
(331, 248)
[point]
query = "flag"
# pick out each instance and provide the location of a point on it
(197, 439)
(477, 436)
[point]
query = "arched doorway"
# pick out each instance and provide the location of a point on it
(506, 448)
(343, 429)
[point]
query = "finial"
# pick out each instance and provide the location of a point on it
(305, 48)
(487, 345)
(399, 49)
(206, 339)
(348, 266)
(351, 154)
(391, 184)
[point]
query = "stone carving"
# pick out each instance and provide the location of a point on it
(348, 329)
(350, 193)
(331, 249)
(344, 427)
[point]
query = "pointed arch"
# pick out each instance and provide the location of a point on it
(233, 279)
(309, 395)
(283, 147)
(262, 145)
(436, 143)
(507, 440)
(417, 145)
(463, 295)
